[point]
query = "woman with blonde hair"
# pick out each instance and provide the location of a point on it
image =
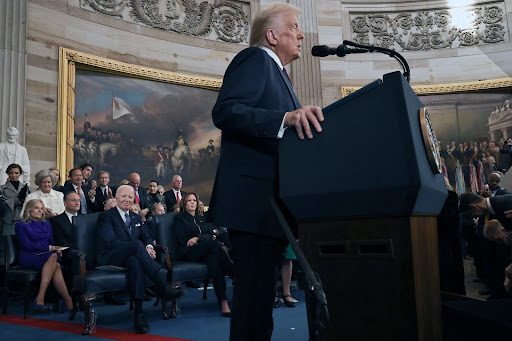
(35, 236)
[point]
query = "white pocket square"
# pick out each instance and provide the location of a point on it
(137, 225)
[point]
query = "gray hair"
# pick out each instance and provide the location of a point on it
(155, 205)
(45, 173)
(125, 186)
(269, 16)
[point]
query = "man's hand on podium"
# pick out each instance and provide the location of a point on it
(302, 118)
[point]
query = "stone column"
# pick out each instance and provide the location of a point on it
(505, 133)
(305, 72)
(493, 135)
(13, 38)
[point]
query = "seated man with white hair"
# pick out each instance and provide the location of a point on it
(53, 200)
(124, 241)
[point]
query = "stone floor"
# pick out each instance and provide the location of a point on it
(472, 288)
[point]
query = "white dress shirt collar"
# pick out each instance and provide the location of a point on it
(122, 213)
(273, 55)
(70, 216)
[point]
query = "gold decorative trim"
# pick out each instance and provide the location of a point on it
(69, 60)
(448, 88)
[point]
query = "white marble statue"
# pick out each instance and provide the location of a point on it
(12, 152)
(507, 104)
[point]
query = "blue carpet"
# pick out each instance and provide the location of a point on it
(200, 321)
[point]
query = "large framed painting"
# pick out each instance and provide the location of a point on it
(472, 121)
(125, 118)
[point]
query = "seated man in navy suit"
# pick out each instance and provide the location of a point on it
(122, 241)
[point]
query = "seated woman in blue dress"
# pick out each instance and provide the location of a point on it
(197, 242)
(35, 236)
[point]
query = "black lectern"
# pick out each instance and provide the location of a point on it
(365, 193)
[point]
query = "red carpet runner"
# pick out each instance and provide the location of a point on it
(67, 327)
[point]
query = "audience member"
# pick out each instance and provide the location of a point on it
(14, 194)
(35, 236)
(87, 203)
(156, 209)
(104, 191)
(57, 186)
(493, 188)
(161, 190)
(154, 198)
(475, 206)
(197, 242)
(141, 197)
(62, 226)
(286, 278)
(495, 232)
(174, 195)
(52, 199)
(175, 208)
(121, 243)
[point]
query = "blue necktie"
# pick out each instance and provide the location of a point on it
(128, 223)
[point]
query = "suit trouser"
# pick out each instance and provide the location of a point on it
(133, 256)
(255, 259)
(217, 262)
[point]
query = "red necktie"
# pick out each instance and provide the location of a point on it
(178, 197)
(137, 201)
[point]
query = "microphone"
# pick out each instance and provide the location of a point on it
(340, 51)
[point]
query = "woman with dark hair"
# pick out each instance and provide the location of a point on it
(154, 198)
(197, 242)
(14, 194)
(35, 236)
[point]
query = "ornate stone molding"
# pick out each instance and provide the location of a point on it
(433, 29)
(214, 20)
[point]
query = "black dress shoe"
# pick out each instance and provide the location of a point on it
(276, 302)
(140, 324)
(113, 300)
(172, 293)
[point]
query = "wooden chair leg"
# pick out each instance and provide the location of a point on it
(89, 327)
(173, 309)
(165, 314)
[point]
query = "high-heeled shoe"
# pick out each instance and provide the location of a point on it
(289, 304)
(39, 307)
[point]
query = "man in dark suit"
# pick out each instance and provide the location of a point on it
(62, 226)
(141, 196)
(87, 197)
(255, 105)
(175, 193)
(122, 241)
(104, 191)
(475, 206)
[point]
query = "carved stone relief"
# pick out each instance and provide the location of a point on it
(214, 19)
(435, 29)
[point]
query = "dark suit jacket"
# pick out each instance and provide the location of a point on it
(250, 108)
(500, 204)
(185, 228)
(62, 230)
(170, 199)
(101, 198)
(143, 198)
(91, 207)
(112, 233)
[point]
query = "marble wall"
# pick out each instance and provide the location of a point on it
(67, 23)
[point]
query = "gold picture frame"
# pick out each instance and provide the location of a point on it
(448, 88)
(71, 60)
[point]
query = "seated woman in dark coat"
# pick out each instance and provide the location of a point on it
(35, 236)
(197, 242)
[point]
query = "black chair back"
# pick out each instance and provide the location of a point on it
(85, 236)
(165, 232)
(10, 251)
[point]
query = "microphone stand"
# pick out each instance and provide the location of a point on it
(371, 48)
(318, 314)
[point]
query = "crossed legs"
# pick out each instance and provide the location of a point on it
(52, 272)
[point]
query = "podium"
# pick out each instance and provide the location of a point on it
(365, 194)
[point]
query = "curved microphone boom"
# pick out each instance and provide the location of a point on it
(343, 50)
